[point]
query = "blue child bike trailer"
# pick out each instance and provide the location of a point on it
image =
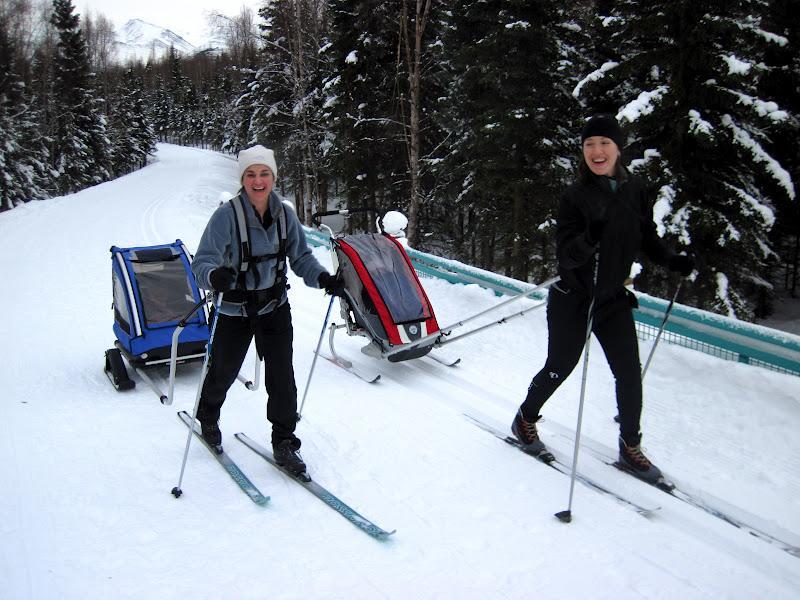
(160, 314)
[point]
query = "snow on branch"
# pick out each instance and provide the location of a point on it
(753, 25)
(753, 206)
(594, 76)
(722, 294)
(662, 208)
(639, 164)
(741, 137)
(771, 37)
(667, 219)
(763, 108)
(643, 105)
(698, 125)
(736, 66)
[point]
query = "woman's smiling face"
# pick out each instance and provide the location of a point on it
(601, 155)
(258, 181)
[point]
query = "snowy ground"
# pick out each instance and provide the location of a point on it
(87, 511)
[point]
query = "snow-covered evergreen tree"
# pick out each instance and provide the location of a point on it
(161, 108)
(23, 154)
(284, 98)
(81, 148)
(361, 105)
(683, 77)
(782, 83)
(512, 138)
(131, 130)
(218, 99)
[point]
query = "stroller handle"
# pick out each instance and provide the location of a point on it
(315, 218)
(195, 308)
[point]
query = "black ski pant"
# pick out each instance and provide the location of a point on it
(228, 350)
(614, 328)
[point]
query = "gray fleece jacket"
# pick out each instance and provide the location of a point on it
(219, 248)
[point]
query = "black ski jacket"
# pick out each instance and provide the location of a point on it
(629, 229)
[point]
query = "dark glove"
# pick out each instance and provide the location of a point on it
(680, 263)
(594, 232)
(222, 278)
(332, 284)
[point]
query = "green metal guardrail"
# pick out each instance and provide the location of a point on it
(689, 327)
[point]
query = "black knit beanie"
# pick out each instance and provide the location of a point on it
(604, 125)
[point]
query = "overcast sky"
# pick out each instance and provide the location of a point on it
(187, 18)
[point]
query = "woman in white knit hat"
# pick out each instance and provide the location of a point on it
(252, 278)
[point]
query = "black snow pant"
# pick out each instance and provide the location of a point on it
(614, 328)
(228, 350)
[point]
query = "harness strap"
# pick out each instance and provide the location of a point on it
(255, 300)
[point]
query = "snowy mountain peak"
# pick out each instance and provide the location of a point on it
(140, 40)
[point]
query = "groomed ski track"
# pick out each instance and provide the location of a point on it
(87, 510)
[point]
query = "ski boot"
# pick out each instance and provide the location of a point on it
(528, 436)
(212, 436)
(287, 457)
(633, 460)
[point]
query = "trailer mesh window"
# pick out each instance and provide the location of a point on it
(165, 291)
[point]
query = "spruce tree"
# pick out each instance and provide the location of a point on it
(284, 99)
(361, 105)
(512, 135)
(782, 83)
(23, 154)
(684, 79)
(81, 148)
(130, 128)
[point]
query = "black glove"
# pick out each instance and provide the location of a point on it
(221, 278)
(680, 263)
(594, 232)
(332, 284)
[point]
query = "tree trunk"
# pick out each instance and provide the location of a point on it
(413, 136)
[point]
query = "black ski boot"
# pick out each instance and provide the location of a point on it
(632, 459)
(288, 457)
(526, 433)
(212, 436)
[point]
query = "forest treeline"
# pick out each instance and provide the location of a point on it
(463, 115)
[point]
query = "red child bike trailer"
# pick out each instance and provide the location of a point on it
(384, 301)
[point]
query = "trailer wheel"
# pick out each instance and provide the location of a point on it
(116, 372)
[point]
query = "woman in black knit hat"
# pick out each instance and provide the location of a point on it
(604, 220)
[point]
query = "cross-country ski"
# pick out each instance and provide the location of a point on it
(320, 492)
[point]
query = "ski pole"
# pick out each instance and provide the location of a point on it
(658, 336)
(565, 516)
(661, 329)
(176, 491)
(316, 354)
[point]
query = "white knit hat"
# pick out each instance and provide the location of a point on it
(257, 155)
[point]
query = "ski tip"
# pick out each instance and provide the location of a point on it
(565, 516)
(385, 535)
